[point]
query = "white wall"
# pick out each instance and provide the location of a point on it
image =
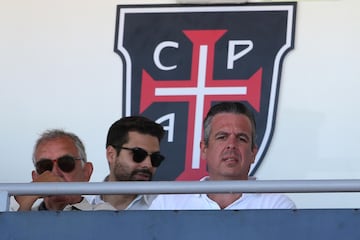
(317, 133)
(58, 69)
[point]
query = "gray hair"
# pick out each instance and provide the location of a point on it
(229, 107)
(58, 133)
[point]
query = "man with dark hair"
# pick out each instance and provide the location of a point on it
(229, 149)
(59, 156)
(133, 154)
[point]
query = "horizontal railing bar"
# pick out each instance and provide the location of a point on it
(182, 187)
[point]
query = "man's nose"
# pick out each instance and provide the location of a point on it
(147, 162)
(231, 143)
(56, 170)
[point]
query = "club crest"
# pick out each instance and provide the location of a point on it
(178, 60)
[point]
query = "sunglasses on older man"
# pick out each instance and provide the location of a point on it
(65, 163)
(140, 154)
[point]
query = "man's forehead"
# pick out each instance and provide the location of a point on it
(137, 134)
(143, 139)
(230, 122)
(230, 118)
(53, 148)
(57, 141)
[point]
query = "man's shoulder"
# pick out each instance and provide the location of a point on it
(268, 200)
(103, 206)
(85, 205)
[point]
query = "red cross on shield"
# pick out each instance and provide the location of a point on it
(200, 90)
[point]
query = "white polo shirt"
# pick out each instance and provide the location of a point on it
(202, 201)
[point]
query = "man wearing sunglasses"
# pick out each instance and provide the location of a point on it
(133, 154)
(229, 149)
(59, 156)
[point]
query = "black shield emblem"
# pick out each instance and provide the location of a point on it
(178, 60)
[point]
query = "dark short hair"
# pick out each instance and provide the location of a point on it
(118, 133)
(229, 107)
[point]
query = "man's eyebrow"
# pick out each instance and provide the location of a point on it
(221, 133)
(244, 135)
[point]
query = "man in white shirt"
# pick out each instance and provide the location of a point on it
(229, 149)
(133, 154)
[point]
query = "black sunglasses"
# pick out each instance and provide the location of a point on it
(140, 154)
(66, 164)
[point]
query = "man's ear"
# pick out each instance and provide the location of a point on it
(254, 152)
(34, 175)
(203, 149)
(111, 154)
(88, 169)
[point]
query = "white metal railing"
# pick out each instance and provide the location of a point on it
(171, 187)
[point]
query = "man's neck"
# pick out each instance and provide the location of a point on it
(224, 199)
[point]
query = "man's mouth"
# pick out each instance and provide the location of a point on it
(141, 175)
(230, 159)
